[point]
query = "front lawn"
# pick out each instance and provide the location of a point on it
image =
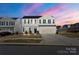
(21, 38)
(22, 41)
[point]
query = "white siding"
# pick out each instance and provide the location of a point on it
(18, 26)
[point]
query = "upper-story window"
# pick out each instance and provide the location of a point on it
(6, 23)
(2, 23)
(40, 21)
(24, 21)
(11, 23)
(53, 21)
(44, 21)
(31, 21)
(28, 21)
(49, 21)
(35, 21)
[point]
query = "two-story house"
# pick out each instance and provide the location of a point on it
(43, 24)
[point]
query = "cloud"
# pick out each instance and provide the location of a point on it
(53, 10)
(63, 13)
(29, 10)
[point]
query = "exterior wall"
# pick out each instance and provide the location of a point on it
(18, 26)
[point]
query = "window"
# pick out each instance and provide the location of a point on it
(11, 23)
(23, 29)
(28, 21)
(40, 21)
(49, 21)
(31, 20)
(44, 21)
(2, 23)
(6, 23)
(53, 21)
(24, 21)
(29, 29)
(35, 21)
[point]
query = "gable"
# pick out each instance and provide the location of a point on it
(47, 17)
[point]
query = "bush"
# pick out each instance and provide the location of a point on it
(17, 33)
(30, 32)
(26, 32)
(37, 32)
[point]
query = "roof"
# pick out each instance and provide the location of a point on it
(15, 18)
(0, 17)
(31, 16)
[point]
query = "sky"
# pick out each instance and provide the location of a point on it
(64, 13)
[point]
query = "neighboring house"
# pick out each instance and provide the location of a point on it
(7, 24)
(74, 27)
(43, 24)
(66, 26)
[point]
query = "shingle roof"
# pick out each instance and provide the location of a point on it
(15, 18)
(31, 16)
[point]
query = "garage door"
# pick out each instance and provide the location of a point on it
(47, 30)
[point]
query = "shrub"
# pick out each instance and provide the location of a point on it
(26, 32)
(37, 32)
(17, 33)
(30, 32)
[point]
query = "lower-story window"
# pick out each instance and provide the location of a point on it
(23, 29)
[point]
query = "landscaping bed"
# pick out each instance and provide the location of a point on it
(21, 38)
(22, 41)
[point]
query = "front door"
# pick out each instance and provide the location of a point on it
(35, 30)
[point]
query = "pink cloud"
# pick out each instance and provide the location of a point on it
(53, 10)
(68, 17)
(31, 9)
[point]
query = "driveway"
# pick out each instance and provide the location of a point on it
(53, 39)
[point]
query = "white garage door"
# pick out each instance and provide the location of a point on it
(47, 30)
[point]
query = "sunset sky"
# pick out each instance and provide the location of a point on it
(64, 13)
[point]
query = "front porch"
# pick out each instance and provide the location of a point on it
(9, 29)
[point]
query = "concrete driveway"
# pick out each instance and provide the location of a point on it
(53, 39)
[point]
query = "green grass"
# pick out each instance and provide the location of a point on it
(21, 38)
(22, 41)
